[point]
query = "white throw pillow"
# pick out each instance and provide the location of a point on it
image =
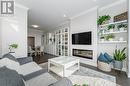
(9, 64)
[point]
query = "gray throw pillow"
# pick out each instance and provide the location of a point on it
(9, 56)
(10, 78)
(62, 82)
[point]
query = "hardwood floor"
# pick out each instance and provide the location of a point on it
(121, 77)
(43, 58)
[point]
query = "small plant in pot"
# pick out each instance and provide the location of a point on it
(110, 37)
(111, 27)
(119, 56)
(103, 19)
(122, 27)
(12, 47)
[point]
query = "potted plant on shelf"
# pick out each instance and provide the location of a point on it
(12, 47)
(111, 27)
(119, 56)
(122, 27)
(110, 37)
(103, 19)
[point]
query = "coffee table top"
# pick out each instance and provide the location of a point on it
(63, 59)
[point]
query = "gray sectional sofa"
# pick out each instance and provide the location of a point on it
(24, 70)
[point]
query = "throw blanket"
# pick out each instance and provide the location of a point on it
(34, 74)
(10, 78)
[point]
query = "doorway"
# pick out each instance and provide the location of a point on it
(31, 42)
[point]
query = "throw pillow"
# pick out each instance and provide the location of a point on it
(102, 58)
(10, 78)
(108, 57)
(62, 82)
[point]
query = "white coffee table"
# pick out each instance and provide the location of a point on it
(63, 66)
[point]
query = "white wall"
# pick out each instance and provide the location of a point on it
(38, 34)
(128, 71)
(14, 30)
(0, 41)
(84, 23)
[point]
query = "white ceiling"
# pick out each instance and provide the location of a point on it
(48, 13)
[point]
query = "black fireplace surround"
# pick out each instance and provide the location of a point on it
(88, 54)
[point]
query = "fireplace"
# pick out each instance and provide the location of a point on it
(88, 54)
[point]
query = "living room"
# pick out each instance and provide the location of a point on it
(81, 43)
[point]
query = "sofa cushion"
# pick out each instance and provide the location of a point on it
(9, 56)
(24, 60)
(102, 58)
(10, 77)
(29, 68)
(108, 57)
(11, 64)
(62, 82)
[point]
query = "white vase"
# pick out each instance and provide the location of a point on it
(121, 39)
(122, 29)
(110, 39)
(111, 30)
(102, 40)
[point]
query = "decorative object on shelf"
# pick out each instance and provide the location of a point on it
(121, 17)
(111, 27)
(119, 56)
(12, 47)
(102, 38)
(121, 39)
(122, 27)
(103, 19)
(110, 37)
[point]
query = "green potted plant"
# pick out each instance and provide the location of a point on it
(111, 27)
(122, 27)
(119, 56)
(103, 19)
(110, 37)
(12, 47)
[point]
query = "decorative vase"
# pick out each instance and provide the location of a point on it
(110, 39)
(102, 40)
(118, 64)
(111, 30)
(121, 39)
(122, 29)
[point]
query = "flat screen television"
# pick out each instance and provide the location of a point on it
(82, 38)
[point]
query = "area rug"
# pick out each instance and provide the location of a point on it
(89, 75)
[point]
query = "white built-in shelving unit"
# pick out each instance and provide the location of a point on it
(103, 31)
(62, 42)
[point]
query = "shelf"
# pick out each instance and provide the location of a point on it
(59, 70)
(115, 32)
(110, 42)
(124, 21)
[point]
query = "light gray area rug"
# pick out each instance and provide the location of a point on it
(86, 72)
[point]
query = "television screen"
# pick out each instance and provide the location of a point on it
(82, 38)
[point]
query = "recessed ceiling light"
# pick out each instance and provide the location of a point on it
(64, 15)
(35, 26)
(95, 0)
